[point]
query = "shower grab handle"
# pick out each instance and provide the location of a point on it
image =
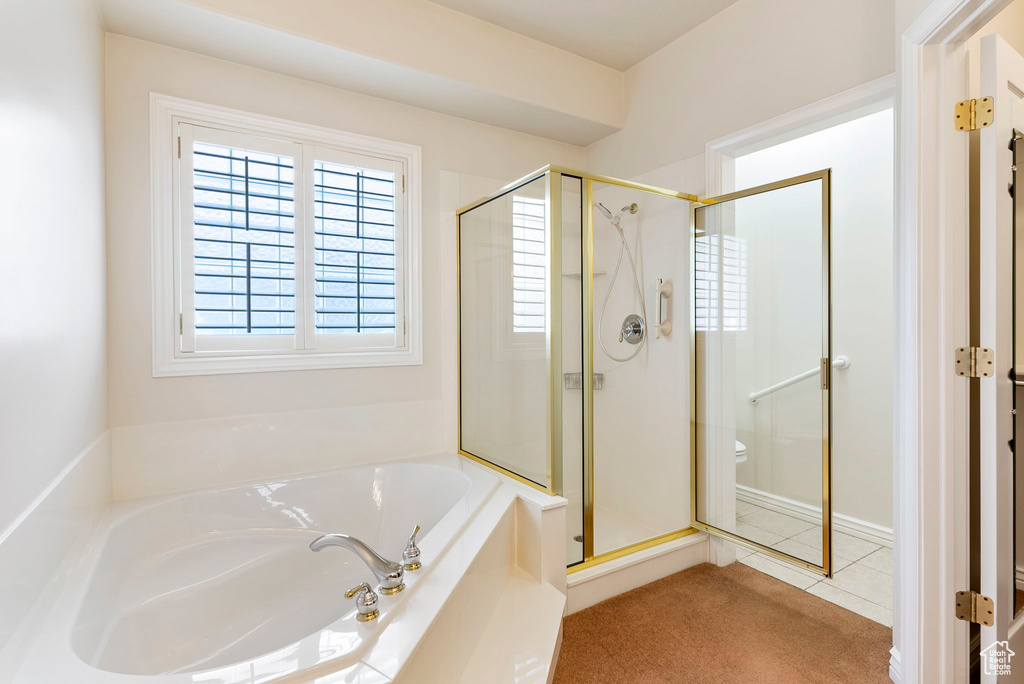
(661, 292)
(838, 362)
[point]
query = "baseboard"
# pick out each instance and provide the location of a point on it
(614, 577)
(895, 667)
(841, 523)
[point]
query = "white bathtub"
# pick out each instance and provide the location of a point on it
(220, 586)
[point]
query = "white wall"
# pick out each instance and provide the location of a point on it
(52, 344)
(401, 405)
(432, 57)
(754, 60)
(445, 43)
(860, 155)
(907, 11)
(53, 402)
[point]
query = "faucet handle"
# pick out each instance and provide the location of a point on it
(411, 555)
(366, 602)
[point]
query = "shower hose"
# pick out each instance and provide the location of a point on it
(608, 293)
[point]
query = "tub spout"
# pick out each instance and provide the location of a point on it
(391, 575)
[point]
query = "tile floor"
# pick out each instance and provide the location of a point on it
(862, 580)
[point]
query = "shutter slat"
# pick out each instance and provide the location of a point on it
(365, 266)
(720, 273)
(255, 192)
(529, 265)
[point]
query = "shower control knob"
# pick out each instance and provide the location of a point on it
(411, 555)
(632, 330)
(366, 602)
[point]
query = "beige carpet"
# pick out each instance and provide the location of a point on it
(721, 625)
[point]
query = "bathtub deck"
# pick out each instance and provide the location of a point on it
(522, 638)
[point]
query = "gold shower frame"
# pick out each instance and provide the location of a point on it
(825, 177)
(553, 341)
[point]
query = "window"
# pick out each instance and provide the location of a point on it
(290, 246)
(529, 265)
(721, 283)
(356, 250)
(243, 242)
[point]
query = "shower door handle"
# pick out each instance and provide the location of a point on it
(662, 292)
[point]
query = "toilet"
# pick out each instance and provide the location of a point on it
(741, 452)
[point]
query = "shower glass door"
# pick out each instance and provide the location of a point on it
(760, 367)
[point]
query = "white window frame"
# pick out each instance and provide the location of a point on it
(230, 345)
(169, 296)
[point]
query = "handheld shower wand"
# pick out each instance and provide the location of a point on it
(631, 208)
(633, 328)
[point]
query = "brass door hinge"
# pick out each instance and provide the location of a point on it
(974, 114)
(179, 147)
(973, 607)
(181, 324)
(974, 362)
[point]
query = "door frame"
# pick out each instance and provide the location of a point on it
(720, 156)
(931, 405)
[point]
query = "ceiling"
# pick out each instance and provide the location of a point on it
(616, 33)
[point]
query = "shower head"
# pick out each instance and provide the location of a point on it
(614, 218)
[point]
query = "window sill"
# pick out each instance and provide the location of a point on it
(202, 364)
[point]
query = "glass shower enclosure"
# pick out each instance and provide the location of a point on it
(574, 380)
(571, 377)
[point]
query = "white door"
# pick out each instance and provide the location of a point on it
(1002, 77)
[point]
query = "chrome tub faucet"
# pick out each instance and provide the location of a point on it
(391, 575)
